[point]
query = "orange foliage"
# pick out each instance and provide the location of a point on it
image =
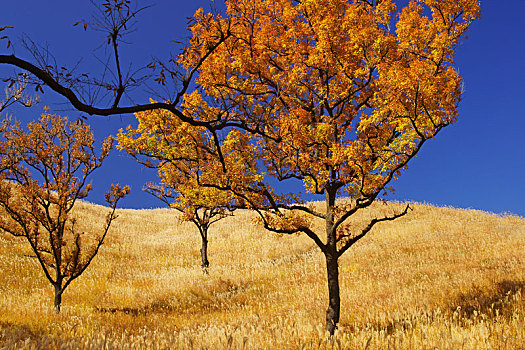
(337, 94)
(349, 99)
(43, 172)
(188, 159)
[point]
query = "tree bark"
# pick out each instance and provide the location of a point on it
(332, 266)
(58, 297)
(204, 248)
(334, 299)
(204, 256)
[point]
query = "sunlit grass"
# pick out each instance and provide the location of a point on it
(436, 278)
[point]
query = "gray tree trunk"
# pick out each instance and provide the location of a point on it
(205, 264)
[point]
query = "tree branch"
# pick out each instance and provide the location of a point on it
(367, 229)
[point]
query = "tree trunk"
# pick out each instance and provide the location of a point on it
(332, 266)
(58, 297)
(204, 251)
(204, 256)
(334, 299)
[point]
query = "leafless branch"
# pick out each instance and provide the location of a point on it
(367, 229)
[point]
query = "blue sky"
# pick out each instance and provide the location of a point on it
(478, 162)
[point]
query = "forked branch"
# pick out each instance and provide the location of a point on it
(367, 229)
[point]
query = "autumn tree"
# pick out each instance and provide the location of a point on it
(181, 154)
(199, 206)
(337, 94)
(43, 173)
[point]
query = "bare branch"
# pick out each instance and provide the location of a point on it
(367, 229)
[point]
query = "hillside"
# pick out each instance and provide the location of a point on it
(438, 277)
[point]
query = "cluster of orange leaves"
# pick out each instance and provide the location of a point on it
(337, 94)
(43, 172)
(334, 82)
(189, 167)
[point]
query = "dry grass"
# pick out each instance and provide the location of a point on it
(438, 278)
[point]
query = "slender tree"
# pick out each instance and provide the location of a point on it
(43, 172)
(200, 207)
(181, 156)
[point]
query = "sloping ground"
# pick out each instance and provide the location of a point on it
(437, 278)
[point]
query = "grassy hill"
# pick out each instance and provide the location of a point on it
(437, 278)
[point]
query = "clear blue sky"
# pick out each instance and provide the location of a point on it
(479, 162)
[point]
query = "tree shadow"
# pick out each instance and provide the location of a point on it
(155, 307)
(497, 300)
(216, 296)
(492, 302)
(14, 335)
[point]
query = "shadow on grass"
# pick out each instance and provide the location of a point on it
(17, 336)
(153, 308)
(489, 302)
(220, 295)
(498, 300)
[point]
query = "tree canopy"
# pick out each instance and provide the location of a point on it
(43, 173)
(337, 94)
(180, 152)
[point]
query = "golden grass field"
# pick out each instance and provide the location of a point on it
(438, 278)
